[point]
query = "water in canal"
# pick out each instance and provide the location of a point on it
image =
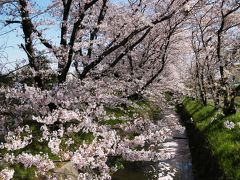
(177, 168)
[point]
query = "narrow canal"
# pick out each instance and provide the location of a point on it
(177, 168)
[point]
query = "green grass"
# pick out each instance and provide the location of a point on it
(132, 135)
(143, 103)
(168, 96)
(148, 110)
(22, 173)
(78, 139)
(140, 108)
(113, 122)
(224, 143)
(120, 111)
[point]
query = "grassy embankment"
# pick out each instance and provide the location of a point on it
(215, 148)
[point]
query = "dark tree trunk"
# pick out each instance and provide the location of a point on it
(28, 30)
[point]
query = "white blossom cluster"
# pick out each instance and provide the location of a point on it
(41, 162)
(16, 140)
(229, 124)
(60, 114)
(80, 108)
(6, 174)
(54, 144)
(87, 176)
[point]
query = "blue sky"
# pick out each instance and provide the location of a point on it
(14, 39)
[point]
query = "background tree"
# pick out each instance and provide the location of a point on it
(214, 30)
(96, 32)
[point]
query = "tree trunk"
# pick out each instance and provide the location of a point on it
(27, 27)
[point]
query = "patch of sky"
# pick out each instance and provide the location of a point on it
(11, 36)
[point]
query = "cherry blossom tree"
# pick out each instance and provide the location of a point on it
(96, 32)
(113, 51)
(214, 39)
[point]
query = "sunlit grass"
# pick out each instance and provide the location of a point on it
(140, 108)
(224, 143)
